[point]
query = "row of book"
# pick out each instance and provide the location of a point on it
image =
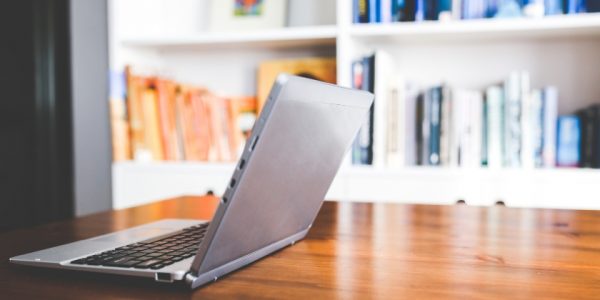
(508, 124)
(155, 119)
(386, 11)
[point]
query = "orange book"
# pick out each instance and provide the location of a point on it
(166, 92)
(323, 69)
(135, 88)
(152, 134)
(200, 139)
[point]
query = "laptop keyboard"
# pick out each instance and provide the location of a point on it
(155, 253)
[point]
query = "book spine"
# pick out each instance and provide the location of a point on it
(550, 103)
(537, 128)
(363, 11)
(426, 129)
(373, 11)
(586, 118)
(386, 10)
(435, 96)
(569, 139)
(596, 137)
(410, 123)
(457, 13)
(475, 129)
(409, 10)
(420, 10)
(495, 128)
(362, 139)
(369, 85)
(512, 114)
(445, 128)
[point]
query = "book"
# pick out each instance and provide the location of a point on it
(445, 125)
(435, 99)
(121, 149)
(361, 11)
(369, 85)
(550, 98)
(587, 119)
(166, 98)
(151, 115)
(423, 128)
(361, 142)
(420, 10)
(568, 141)
(596, 138)
(516, 86)
(575, 6)
(323, 69)
(532, 124)
(495, 129)
(401, 124)
(374, 11)
(386, 10)
(383, 80)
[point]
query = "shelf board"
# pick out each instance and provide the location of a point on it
(272, 38)
(569, 26)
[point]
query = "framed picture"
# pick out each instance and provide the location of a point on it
(230, 15)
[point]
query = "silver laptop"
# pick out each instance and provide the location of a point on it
(274, 195)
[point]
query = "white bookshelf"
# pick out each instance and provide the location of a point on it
(559, 50)
(274, 38)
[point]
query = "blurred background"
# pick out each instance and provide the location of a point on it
(483, 102)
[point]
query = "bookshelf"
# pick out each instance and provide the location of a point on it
(559, 50)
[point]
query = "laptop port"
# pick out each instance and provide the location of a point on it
(254, 141)
(242, 163)
(163, 277)
(232, 183)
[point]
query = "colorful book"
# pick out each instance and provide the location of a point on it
(568, 141)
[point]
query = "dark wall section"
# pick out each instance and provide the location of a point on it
(35, 108)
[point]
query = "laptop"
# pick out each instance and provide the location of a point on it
(293, 154)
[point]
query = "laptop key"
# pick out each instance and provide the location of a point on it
(147, 264)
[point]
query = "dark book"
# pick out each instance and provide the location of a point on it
(596, 138)
(406, 10)
(419, 129)
(361, 8)
(586, 146)
(431, 10)
(425, 126)
(369, 85)
(435, 116)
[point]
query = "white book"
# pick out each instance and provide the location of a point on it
(396, 133)
(384, 77)
(459, 144)
(527, 155)
(550, 111)
(475, 129)
(495, 119)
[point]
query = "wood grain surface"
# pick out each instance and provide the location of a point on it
(353, 251)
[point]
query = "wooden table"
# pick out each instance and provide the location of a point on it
(355, 250)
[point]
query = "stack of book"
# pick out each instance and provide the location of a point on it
(507, 124)
(157, 119)
(386, 11)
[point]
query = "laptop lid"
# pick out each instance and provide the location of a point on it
(294, 152)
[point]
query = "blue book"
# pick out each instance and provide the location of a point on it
(568, 141)
(553, 7)
(420, 10)
(434, 96)
(374, 11)
(355, 11)
(575, 6)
